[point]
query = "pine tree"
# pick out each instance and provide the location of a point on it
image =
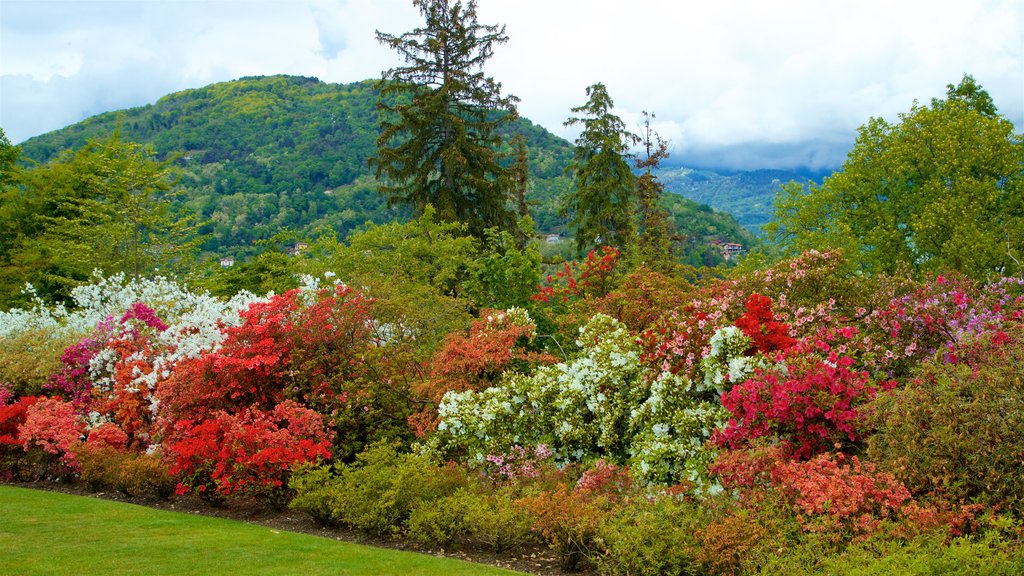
(654, 245)
(439, 141)
(601, 204)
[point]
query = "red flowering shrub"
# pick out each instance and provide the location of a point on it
(12, 454)
(328, 354)
(836, 497)
(759, 324)
(591, 278)
(52, 427)
(830, 494)
(250, 453)
(642, 297)
(811, 405)
(107, 435)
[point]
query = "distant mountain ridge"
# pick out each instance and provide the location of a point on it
(260, 154)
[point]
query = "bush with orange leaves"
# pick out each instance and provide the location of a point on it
(497, 342)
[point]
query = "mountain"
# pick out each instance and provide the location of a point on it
(260, 154)
(747, 196)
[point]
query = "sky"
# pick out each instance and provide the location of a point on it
(733, 84)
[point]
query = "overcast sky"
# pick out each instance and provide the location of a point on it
(733, 83)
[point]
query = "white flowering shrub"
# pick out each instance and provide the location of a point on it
(597, 405)
(727, 362)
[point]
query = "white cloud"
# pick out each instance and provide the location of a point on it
(744, 83)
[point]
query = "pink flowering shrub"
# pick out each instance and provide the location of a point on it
(812, 404)
(51, 426)
(517, 464)
(107, 435)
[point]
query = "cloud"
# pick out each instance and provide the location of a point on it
(745, 83)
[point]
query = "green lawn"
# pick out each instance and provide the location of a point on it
(51, 533)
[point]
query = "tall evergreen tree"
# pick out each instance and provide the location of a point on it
(601, 204)
(439, 141)
(654, 244)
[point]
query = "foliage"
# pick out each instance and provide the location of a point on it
(104, 206)
(601, 204)
(439, 141)
(478, 517)
(377, 493)
(939, 190)
(27, 359)
(249, 453)
(649, 537)
(596, 405)
(955, 428)
(655, 248)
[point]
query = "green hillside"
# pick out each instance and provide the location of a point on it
(260, 154)
(747, 196)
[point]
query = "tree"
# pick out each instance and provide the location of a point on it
(439, 142)
(654, 245)
(601, 204)
(942, 189)
(105, 206)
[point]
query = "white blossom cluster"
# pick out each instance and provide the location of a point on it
(727, 363)
(596, 405)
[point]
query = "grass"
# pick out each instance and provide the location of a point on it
(52, 533)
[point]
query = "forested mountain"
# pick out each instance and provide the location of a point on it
(747, 196)
(261, 154)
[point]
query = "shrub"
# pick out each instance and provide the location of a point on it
(649, 538)
(929, 553)
(249, 454)
(958, 428)
(51, 428)
(481, 518)
(28, 358)
(375, 494)
(145, 475)
(12, 453)
(100, 466)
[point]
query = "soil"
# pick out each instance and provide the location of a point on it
(533, 560)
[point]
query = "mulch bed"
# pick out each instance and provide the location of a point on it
(534, 560)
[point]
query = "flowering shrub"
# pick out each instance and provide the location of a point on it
(956, 429)
(107, 435)
(811, 404)
(51, 426)
(322, 350)
(516, 464)
(12, 416)
(247, 454)
(830, 494)
(592, 277)
(495, 344)
(594, 406)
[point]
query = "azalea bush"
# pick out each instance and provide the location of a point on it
(250, 453)
(597, 405)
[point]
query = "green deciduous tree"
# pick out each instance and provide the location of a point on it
(601, 204)
(103, 207)
(941, 189)
(439, 142)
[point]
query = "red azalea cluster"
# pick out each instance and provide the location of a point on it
(759, 324)
(248, 453)
(592, 277)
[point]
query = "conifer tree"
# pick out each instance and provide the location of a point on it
(654, 244)
(601, 203)
(439, 141)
